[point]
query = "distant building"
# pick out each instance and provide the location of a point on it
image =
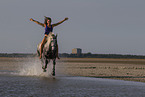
(77, 51)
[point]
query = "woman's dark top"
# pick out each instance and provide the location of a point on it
(48, 29)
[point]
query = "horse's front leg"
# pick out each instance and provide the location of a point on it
(53, 71)
(45, 65)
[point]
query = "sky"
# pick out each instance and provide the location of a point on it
(96, 26)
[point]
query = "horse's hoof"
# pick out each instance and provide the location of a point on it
(43, 67)
(53, 74)
(44, 70)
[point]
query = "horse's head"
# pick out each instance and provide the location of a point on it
(51, 42)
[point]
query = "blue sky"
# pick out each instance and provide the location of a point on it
(96, 26)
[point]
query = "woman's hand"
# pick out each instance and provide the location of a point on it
(66, 18)
(31, 19)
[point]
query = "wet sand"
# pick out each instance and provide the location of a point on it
(124, 69)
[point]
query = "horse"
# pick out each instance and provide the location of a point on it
(49, 52)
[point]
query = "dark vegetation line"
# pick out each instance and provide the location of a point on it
(84, 55)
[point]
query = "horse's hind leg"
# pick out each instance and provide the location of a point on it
(53, 71)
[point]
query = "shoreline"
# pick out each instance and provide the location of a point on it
(125, 78)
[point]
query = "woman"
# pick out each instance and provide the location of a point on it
(48, 28)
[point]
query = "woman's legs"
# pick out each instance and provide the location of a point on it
(42, 45)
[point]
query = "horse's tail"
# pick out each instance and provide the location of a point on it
(38, 53)
(38, 49)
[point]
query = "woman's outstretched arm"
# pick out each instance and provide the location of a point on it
(37, 22)
(59, 22)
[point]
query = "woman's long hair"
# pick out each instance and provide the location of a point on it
(46, 19)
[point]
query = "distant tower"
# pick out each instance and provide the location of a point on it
(77, 51)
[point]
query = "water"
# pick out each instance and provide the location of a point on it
(24, 78)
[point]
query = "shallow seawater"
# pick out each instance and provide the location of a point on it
(24, 78)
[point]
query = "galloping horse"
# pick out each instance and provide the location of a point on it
(49, 52)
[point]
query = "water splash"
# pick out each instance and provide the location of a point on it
(34, 68)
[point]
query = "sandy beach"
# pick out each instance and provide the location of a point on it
(124, 69)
